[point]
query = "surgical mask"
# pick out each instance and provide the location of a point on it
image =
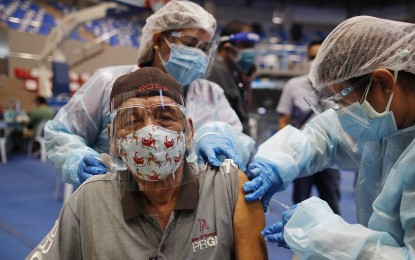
(153, 152)
(185, 64)
(362, 122)
(246, 59)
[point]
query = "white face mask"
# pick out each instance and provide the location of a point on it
(368, 109)
(153, 152)
(372, 113)
(362, 122)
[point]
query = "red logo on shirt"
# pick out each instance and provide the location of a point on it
(203, 225)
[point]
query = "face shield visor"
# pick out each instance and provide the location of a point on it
(344, 99)
(243, 44)
(338, 96)
(190, 58)
(357, 118)
(149, 137)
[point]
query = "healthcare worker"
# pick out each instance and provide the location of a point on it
(233, 67)
(177, 39)
(365, 71)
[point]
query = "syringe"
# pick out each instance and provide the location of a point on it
(281, 204)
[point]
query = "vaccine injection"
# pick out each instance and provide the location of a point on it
(281, 204)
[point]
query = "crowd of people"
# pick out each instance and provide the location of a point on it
(167, 170)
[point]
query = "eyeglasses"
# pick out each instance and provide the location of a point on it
(336, 101)
(130, 119)
(190, 41)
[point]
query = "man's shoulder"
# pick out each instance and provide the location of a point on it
(97, 186)
(215, 174)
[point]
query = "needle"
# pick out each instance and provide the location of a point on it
(282, 204)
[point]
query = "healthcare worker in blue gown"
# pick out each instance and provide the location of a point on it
(179, 39)
(364, 71)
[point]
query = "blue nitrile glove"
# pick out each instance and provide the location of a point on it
(90, 165)
(214, 148)
(265, 181)
(275, 232)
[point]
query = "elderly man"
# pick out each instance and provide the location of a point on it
(154, 204)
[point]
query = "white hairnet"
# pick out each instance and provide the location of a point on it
(361, 44)
(174, 15)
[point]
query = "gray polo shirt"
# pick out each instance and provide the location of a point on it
(292, 101)
(98, 223)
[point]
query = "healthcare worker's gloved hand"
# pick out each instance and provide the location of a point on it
(90, 165)
(265, 181)
(214, 148)
(275, 232)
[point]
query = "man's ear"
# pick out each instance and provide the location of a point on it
(191, 126)
(385, 79)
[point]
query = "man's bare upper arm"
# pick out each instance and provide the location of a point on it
(248, 221)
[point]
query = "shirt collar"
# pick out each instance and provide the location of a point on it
(133, 206)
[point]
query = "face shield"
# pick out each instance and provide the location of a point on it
(358, 120)
(345, 99)
(149, 137)
(338, 96)
(190, 58)
(175, 15)
(243, 44)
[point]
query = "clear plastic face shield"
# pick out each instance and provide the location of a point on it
(191, 54)
(149, 137)
(243, 44)
(356, 116)
(339, 96)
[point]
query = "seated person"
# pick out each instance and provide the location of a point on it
(154, 204)
(42, 112)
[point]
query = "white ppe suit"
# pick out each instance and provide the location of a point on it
(385, 191)
(80, 127)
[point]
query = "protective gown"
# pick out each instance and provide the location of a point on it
(80, 127)
(385, 191)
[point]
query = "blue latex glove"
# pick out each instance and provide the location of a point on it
(275, 232)
(265, 182)
(90, 165)
(214, 148)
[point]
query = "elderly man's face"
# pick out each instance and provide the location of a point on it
(151, 135)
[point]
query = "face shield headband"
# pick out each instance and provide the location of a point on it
(244, 39)
(148, 142)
